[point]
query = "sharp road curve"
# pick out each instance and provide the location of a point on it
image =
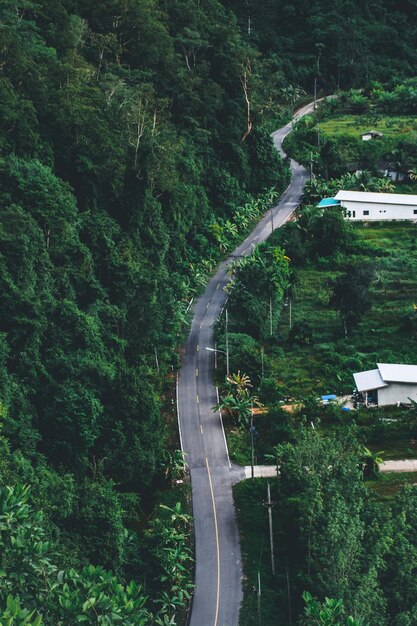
(218, 573)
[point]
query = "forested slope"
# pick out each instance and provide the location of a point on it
(121, 159)
(130, 130)
(341, 43)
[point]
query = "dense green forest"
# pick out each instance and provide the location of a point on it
(334, 536)
(134, 152)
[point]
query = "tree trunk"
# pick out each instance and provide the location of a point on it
(244, 79)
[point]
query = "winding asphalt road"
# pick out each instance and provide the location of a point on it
(218, 575)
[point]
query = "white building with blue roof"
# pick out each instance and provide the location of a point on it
(363, 206)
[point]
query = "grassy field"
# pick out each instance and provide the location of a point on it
(387, 485)
(356, 125)
(328, 363)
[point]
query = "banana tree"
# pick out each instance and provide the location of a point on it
(239, 407)
(371, 462)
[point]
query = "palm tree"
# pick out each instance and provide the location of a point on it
(291, 94)
(175, 469)
(400, 162)
(178, 516)
(385, 185)
(199, 277)
(208, 264)
(239, 407)
(371, 462)
(364, 180)
(241, 218)
(241, 382)
(308, 216)
(229, 229)
(271, 195)
(347, 181)
(252, 209)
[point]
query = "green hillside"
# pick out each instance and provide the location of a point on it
(135, 152)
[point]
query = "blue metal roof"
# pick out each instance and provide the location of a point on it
(328, 202)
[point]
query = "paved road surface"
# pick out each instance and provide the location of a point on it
(406, 465)
(218, 593)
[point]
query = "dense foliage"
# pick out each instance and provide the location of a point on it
(127, 145)
(342, 44)
(343, 545)
(34, 586)
(344, 542)
(257, 290)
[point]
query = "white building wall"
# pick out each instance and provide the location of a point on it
(397, 392)
(368, 211)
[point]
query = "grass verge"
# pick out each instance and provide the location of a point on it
(356, 125)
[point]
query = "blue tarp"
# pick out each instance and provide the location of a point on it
(328, 202)
(329, 397)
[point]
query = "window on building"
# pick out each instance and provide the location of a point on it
(353, 213)
(366, 212)
(415, 211)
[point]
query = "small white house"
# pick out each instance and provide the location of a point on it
(391, 383)
(371, 134)
(363, 206)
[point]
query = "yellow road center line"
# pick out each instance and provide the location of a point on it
(217, 544)
(198, 399)
(196, 371)
(198, 348)
(201, 428)
(201, 325)
(208, 304)
(218, 285)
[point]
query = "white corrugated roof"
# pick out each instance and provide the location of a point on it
(380, 198)
(371, 379)
(396, 373)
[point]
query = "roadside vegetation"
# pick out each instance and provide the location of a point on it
(315, 356)
(347, 542)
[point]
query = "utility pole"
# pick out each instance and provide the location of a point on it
(156, 358)
(272, 221)
(270, 316)
(259, 598)
(262, 361)
(227, 344)
(318, 136)
(252, 442)
(315, 93)
(270, 504)
(215, 355)
(290, 312)
(311, 166)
